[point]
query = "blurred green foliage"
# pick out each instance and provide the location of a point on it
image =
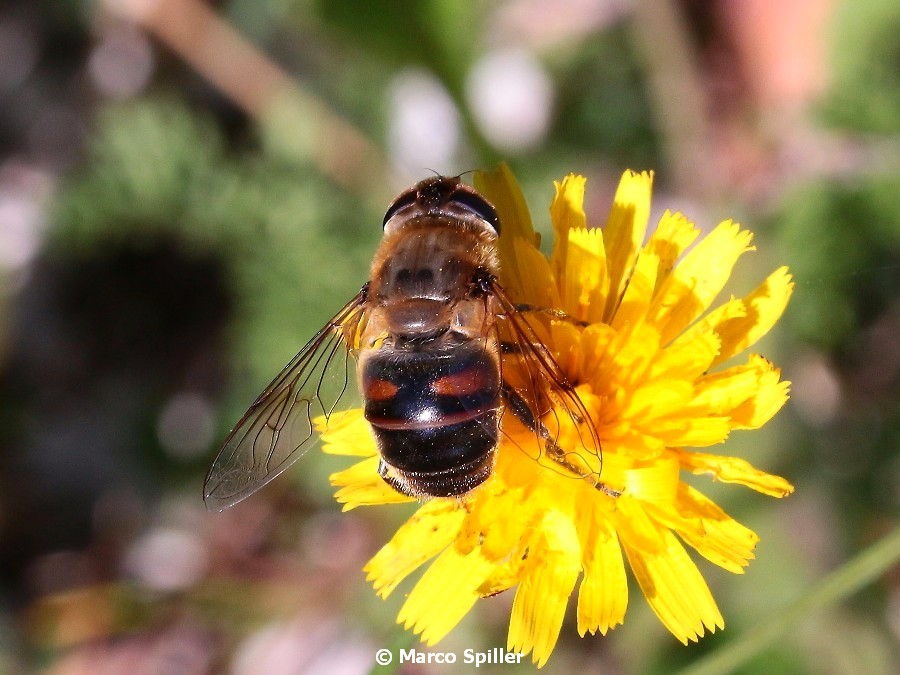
(866, 81)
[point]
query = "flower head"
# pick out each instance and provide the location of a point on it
(632, 329)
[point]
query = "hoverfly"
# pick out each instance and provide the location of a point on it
(429, 334)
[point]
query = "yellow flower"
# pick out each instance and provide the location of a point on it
(643, 354)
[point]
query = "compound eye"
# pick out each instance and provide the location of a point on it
(402, 201)
(478, 205)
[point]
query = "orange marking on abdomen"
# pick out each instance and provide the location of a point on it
(467, 382)
(380, 390)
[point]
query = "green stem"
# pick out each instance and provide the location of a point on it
(860, 571)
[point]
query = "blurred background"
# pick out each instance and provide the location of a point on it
(190, 188)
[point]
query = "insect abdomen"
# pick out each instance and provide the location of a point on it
(435, 415)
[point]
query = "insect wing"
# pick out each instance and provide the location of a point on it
(278, 428)
(539, 395)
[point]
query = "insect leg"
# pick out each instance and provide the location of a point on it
(553, 313)
(519, 407)
(384, 470)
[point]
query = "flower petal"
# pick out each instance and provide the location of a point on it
(537, 288)
(693, 431)
(734, 470)
(566, 213)
(496, 522)
(502, 189)
(697, 279)
(703, 525)
(675, 589)
(444, 594)
(764, 307)
(585, 282)
(685, 360)
(430, 530)
(660, 399)
(624, 232)
(657, 482)
(362, 486)
(346, 433)
(603, 594)
(750, 394)
(539, 606)
(673, 234)
(638, 292)
(770, 398)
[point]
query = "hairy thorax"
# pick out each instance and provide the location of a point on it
(421, 281)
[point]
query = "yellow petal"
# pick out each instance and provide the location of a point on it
(686, 360)
(675, 589)
(597, 344)
(703, 525)
(566, 341)
(630, 353)
(430, 530)
(764, 307)
(504, 575)
(709, 324)
(636, 300)
(496, 521)
(537, 287)
(624, 232)
(566, 213)
(673, 234)
(629, 442)
(697, 279)
(603, 594)
(540, 604)
(696, 432)
(750, 393)
(347, 433)
(734, 470)
(769, 399)
(585, 283)
(657, 482)
(501, 188)
(659, 399)
(444, 594)
(362, 486)
(634, 525)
